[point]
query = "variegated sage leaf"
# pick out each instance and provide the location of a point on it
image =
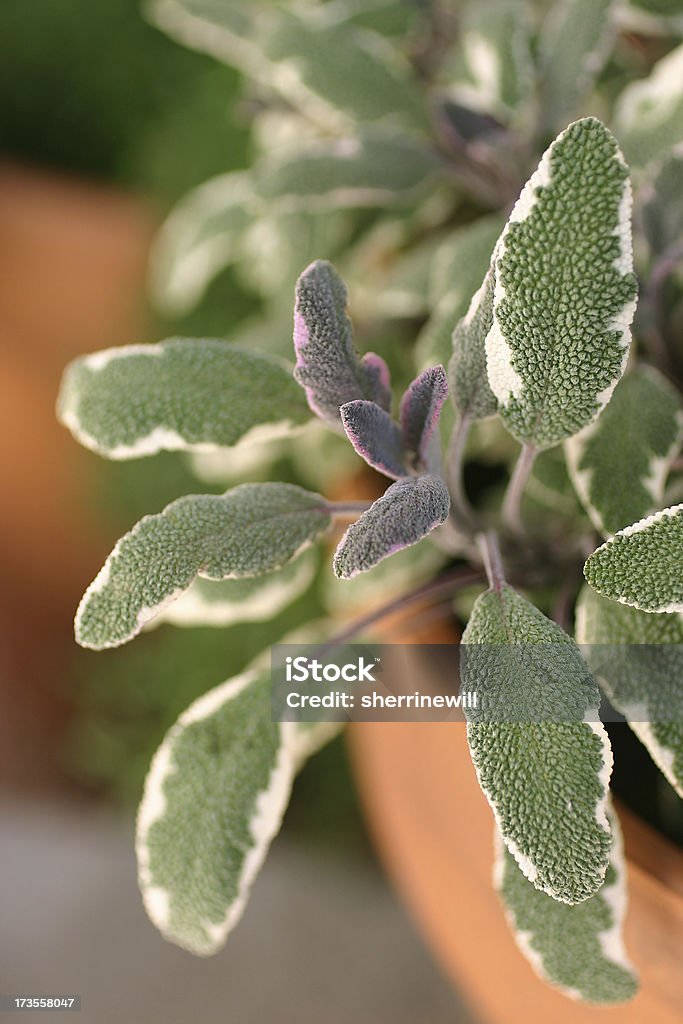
(662, 205)
(421, 407)
(251, 530)
(327, 366)
(651, 17)
(619, 464)
(579, 949)
(375, 437)
(248, 599)
(177, 395)
(642, 565)
(338, 74)
(493, 68)
(564, 293)
(213, 801)
(638, 660)
(409, 510)
(458, 267)
(467, 374)
(374, 168)
(648, 117)
(199, 238)
(541, 755)
(575, 43)
(218, 27)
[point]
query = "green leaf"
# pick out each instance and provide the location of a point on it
(406, 512)
(390, 17)
(576, 40)
(251, 530)
(250, 599)
(213, 801)
(327, 366)
(642, 565)
(176, 395)
(651, 17)
(648, 117)
(549, 498)
(377, 168)
(199, 238)
(467, 376)
(458, 268)
(541, 755)
(494, 59)
(619, 464)
(662, 207)
(221, 28)
(339, 74)
(579, 949)
(564, 290)
(638, 660)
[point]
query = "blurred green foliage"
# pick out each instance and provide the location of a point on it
(91, 88)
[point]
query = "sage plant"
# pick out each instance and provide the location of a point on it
(540, 350)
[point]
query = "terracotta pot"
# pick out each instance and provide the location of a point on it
(72, 271)
(434, 829)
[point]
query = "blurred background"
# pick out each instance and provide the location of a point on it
(170, 170)
(105, 123)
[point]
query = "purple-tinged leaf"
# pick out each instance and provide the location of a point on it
(406, 512)
(327, 366)
(420, 410)
(375, 437)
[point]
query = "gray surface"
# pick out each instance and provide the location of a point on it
(322, 941)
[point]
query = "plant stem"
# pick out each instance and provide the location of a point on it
(512, 503)
(461, 509)
(438, 589)
(493, 563)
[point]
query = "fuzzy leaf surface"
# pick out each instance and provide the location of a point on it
(327, 366)
(213, 801)
(407, 511)
(467, 373)
(542, 758)
(251, 530)
(176, 395)
(642, 565)
(564, 293)
(247, 599)
(619, 464)
(375, 437)
(421, 407)
(580, 948)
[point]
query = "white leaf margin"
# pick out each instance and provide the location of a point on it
(296, 745)
(275, 593)
(614, 894)
(525, 863)
(637, 715)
